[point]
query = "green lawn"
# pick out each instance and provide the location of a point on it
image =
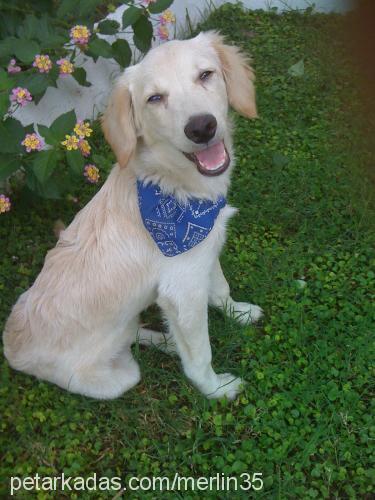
(306, 210)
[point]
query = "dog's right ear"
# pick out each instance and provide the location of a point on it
(118, 123)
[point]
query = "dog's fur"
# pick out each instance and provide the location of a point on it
(75, 326)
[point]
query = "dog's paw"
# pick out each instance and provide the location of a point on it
(228, 385)
(245, 313)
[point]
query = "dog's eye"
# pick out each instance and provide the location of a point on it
(205, 75)
(155, 98)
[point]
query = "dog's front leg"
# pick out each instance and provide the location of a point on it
(186, 312)
(219, 296)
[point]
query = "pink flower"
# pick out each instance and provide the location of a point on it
(43, 63)
(91, 172)
(163, 32)
(80, 34)
(5, 204)
(20, 96)
(84, 147)
(66, 67)
(33, 142)
(12, 68)
(167, 17)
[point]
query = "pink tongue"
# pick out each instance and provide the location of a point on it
(212, 157)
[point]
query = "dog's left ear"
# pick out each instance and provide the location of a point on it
(238, 75)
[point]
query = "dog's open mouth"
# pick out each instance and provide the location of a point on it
(213, 160)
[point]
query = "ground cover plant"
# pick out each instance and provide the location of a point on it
(302, 247)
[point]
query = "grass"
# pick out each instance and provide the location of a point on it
(306, 210)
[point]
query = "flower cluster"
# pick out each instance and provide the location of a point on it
(91, 172)
(77, 139)
(71, 142)
(12, 67)
(79, 35)
(21, 96)
(82, 129)
(167, 17)
(84, 147)
(164, 19)
(4, 204)
(33, 142)
(43, 63)
(66, 67)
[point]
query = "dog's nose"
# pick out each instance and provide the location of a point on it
(201, 128)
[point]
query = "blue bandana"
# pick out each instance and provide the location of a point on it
(175, 227)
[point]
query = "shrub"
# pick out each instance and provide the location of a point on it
(42, 42)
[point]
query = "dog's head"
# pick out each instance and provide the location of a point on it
(177, 99)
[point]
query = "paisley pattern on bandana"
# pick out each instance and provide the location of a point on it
(176, 227)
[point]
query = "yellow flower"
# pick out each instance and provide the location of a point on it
(66, 67)
(82, 129)
(71, 142)
(43, 63)
(80, 34)
(163, 32)
(5, 203)
(84, 147)
(33, 142)
(91, 172)
(167, 17)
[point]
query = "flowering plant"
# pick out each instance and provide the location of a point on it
(44, 47)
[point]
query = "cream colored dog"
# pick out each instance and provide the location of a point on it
(167, 124)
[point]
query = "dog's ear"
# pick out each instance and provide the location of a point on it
(118, 123)
(238, 75)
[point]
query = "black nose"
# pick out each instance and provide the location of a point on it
(201, 128)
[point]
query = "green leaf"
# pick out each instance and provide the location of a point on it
(46, 133)
(108, 27)
(25, 49)
(5, 82)
(29, 28)
(131, 16)
(4, 103)
(159, 6)
(7, 46)
(56, 41)
(11, 136)
(279, 160)
(48, 33)
(44, 164)
(333, 393)
(143, 32)
(66, 7)
(80, 76)
(63, 125)
(8, 165)
(50, 189)
(35, 83)
(75, 161)
(122, 52)
(53, 75)
(297, 69)
(87, 7)
(99, 47)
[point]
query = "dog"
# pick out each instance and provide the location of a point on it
(152, 234)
